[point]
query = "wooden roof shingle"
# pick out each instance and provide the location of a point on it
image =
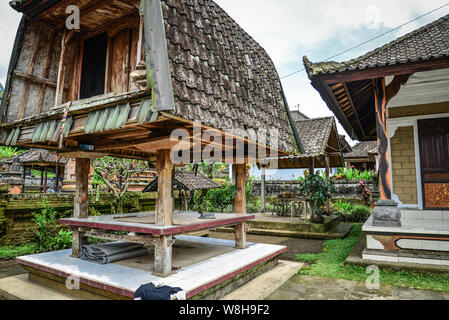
(428, 42)
(186, 181)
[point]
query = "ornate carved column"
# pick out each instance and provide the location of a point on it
(386, 212)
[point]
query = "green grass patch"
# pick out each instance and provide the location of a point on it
(8, 252)
(330, 264)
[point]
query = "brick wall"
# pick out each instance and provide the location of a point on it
(403, 165)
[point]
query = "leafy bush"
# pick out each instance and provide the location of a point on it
(352, 213)
(360, 213)
(354, 174)
(45, 232)
(316, 189)
(63, 240)
(364, 193)
(44, 221)
(219, 199)
(8, 252)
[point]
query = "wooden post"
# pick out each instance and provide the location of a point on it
(81, 202)
(240, 204)
(57, 177)
(165, 185)
(46, 180)
(380, 101)
(262, 188)
(42, 181)
(312, 171)
(328, 203)
(24, 178)
(163, 245)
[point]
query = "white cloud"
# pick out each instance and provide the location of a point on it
(290, 29)
(9, 22)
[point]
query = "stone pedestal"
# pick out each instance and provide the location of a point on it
(386, 214)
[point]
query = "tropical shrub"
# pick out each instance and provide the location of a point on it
(47, 238)
(354, 174)
(44, 221)
(364, 193)
(350, 212)
(219, 199)
(316, 189)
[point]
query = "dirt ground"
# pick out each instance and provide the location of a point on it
(294, 245)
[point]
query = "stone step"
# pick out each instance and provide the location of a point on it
(265, 284)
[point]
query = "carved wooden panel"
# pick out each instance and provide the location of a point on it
(437, 195)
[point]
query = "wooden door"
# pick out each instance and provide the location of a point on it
(434, 153)
(122, 56)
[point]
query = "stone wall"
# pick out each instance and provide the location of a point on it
(343, 189)
(403, 165)
(16, 211)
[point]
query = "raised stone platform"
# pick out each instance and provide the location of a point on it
(422, 238)
(209, 268)
(267, 224)
(143, 223)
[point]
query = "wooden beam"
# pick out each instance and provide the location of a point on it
(378, 72)
(240, 204)
(164, 167)
(164, 211)
(81, 202)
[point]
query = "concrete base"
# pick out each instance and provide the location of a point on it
(264, 285)
(266, 224)
(22, 288)
(206, 266)
(355, 258)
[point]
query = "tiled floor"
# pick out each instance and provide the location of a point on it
(189, 278)
(412, 224)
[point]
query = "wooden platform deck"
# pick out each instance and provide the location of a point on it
(143, 223)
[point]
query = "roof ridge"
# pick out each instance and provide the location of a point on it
(398, 40)
(334, 66)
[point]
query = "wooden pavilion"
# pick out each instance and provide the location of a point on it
(322, 148)
(44, 161)
(185, 182)
(133, 74)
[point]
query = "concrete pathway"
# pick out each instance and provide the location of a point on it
(313, 288)
(265, 284)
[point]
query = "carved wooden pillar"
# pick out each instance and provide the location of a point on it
(240, 204)
(164, 211)
(81, 202)
(380, 100)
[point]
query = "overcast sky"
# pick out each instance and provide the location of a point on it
(290, 29)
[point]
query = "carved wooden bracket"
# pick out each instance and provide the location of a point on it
(393, 88)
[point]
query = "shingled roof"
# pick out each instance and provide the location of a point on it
(314, 134)
(221, 75)
(363, 150)
(40, 156)
(298, 115)
(187, 181)
(428, 42)
(317, 135)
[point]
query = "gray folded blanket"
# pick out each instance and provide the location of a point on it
(112, 252)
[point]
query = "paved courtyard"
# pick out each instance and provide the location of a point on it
(313, 288)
